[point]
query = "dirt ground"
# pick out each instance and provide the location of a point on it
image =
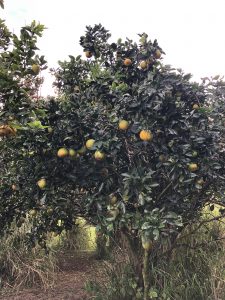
(75, 270)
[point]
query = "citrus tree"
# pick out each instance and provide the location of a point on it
(19, 84)
(130, 144)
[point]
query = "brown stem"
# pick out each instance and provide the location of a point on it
(146, 275)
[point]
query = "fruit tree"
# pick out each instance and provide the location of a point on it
(129, 144)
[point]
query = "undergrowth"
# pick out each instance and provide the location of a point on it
(21, 265)
(194, 271)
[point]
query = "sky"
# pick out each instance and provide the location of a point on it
(191, 32)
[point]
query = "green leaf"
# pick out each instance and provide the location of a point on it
(156, 234)
(36, 124)
(153, 294)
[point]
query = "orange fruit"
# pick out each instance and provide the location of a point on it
(146, 244)
(193, 167)
(41, 183)
(143, 64)
(33, 212)
(36, 69)
(113, 199)
(62, 152)
(123, 125)
(99, 155)
(157, 54)
(200, 181)
(88, 54)
(90, 143)
(146, 135)
(72, 152)
(127, 62)
(50, 130)
(195, 106)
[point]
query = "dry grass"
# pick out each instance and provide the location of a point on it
(22, 266)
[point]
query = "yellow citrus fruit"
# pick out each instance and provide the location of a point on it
(143, 64)
(123, 125)
(36, 69)
(193, 167)
(88, 54)
(127, 62)
(49, 211)
(90, 143)
(99, 155)
(41, 183)
(72, 152)
(113, 199)
(146, 135)
(33, 212)
(195, 106)
(157, 54)
(62, 152)
(146, 244)
(200, 181)
(50, 130)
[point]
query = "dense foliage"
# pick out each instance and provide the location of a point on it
(150, 175)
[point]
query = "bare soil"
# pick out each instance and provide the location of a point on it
(75, 269)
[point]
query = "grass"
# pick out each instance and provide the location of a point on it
(22, 266)
(82, 237)
(195, 270)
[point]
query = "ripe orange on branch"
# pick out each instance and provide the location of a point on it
(90, 143)
(127, 62)
(143, 64)
(146, 135)
(157, 54)
(41, 183)
(62, 152)
(36, 69)
(72, 152)
(99, 155)
(195, 106)
(88, 54)
(146, 244)
(123, 125)
(193, 167)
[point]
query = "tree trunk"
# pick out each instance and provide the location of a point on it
(146, 275)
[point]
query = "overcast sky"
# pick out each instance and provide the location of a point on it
(191, 32)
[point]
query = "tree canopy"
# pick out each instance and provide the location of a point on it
(128, 142)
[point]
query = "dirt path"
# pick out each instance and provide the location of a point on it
(75, 270)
